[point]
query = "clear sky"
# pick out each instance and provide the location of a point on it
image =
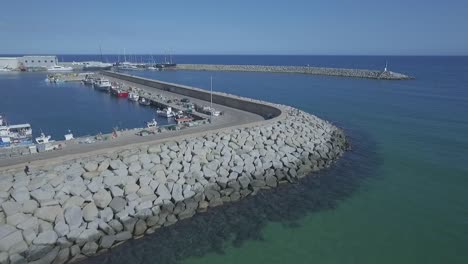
(316, 27)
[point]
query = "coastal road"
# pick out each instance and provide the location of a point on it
(231, 117)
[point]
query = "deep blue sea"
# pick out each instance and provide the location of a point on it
(399, 196)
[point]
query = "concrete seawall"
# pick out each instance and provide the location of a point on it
(356, 73)
(85, 206)
(262, 109)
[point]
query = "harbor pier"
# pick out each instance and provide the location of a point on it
(339, 72)
(84, 202)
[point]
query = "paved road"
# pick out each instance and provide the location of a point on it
(231, 117)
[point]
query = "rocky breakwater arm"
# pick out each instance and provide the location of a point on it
(356, 73)
(82, 207)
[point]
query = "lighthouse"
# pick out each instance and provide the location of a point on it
(386, 64)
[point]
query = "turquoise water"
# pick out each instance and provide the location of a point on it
(410, 147)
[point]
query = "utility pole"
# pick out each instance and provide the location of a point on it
(211, 98)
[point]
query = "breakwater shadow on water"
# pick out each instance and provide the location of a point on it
(245, 220)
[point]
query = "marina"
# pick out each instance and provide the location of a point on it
(183, 116)
(244, 126)
(235, 132)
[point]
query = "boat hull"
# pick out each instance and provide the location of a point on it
(101, 88)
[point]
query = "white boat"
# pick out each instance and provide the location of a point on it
(69, 136)
(151, 124)
(88, 80)
(14, 134)
(167, 112)
(43, 139)
(133, 96)
(102, 84)
(144, 101)
(127, 66)
(58, 68)
(151, 68)
(5, 69)
(96, 66)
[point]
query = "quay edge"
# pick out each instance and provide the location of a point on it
(81, 207)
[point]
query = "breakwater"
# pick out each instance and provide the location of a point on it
(341, 72)
(84, 206)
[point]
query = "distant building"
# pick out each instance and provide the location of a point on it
(28, 62)
(8, 62)
(37, 61)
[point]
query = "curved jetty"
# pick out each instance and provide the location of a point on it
(356, 73)
(67, 210)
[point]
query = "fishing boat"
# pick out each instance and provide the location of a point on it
(133, 96)
(58, 68)
(12, 135)
(144, 101)
(42, 139)
(151, 124)
(183, 120)
(167, 112)
(102, 84)
(88, 80)
(119, 93)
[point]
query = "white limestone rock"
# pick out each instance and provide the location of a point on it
(163, 193)
(102, 198)
(11, 208)
(46, 238)
(29, 206)
(48, 213)
(106, 214)
(73, 217)
(90, 212)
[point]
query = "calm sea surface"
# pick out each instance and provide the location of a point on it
(55, 108)
(400, 195)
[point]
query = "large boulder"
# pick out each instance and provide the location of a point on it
(102, 198)
(73, 216)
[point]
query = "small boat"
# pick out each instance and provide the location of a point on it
(102, 84)
(58, 68)
(151, 124)
(43, 139)
(133, 96)
(127, 66)
(151, 68)
(69, 136)
(167, 112)
(96, 66)
(88, 80)
(12, 135)
(119, 93)
(183, 120)
(144, 101)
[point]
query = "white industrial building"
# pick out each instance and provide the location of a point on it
(8, 63)
(28, 62)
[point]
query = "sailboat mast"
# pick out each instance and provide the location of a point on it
(100, 50)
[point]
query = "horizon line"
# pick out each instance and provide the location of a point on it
(250, 54)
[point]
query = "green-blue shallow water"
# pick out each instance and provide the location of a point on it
(400, 196)
(413, 205)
